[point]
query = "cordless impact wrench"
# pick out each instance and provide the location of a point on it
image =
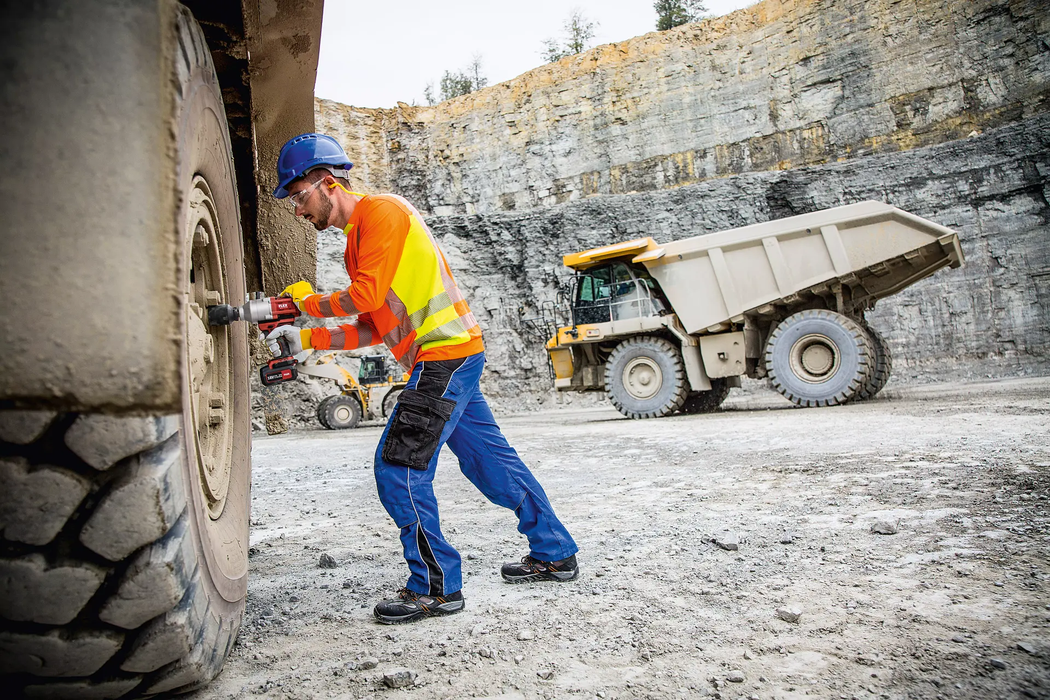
(268, 313)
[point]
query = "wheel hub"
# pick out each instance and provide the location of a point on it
(642, 378)
(208, 350)
(815, 358)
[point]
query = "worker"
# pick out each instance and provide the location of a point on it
(403, 294)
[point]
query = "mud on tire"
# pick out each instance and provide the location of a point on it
(123, 540)
(645, 377)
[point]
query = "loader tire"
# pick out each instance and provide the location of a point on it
(645, 378)
(883, 366)
(124, 539)
(819, 358)
(390, 401)
(322, 411)
(342, 412)
(707, 401)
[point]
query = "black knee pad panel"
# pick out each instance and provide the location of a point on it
(416, 431)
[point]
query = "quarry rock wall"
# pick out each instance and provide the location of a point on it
(939, 108)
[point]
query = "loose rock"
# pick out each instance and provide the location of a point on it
(545, 675)
(884, 527)
(789, 614)
(327, 561)
(1028, 648)
(399, 678)
(526, 634)
(997, 663)
(735, 677)
(727, 540)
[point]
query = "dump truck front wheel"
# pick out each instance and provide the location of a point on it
(645, 378)
(819, 358)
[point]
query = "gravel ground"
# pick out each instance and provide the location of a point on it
(953, 604)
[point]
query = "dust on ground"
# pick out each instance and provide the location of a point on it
(953, 605)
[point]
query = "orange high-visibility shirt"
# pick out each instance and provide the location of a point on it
(402, 290)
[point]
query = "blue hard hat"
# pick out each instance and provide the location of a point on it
(306, 152)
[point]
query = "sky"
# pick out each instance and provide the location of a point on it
(380, 53)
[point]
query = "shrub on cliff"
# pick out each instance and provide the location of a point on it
(672, 13)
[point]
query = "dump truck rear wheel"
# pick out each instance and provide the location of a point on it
(125, 539)
(342, 412)
(707, 401)
(645, 378)
(389, 401)
(819, 358)
(883, 365)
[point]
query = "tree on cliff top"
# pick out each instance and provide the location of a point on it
(459, 83)
(672, 13)
(578, 32)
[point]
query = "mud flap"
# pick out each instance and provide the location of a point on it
(416, 432)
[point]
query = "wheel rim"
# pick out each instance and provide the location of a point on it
(815, 358)
(642, 378)
(208, 350)
(342, 414)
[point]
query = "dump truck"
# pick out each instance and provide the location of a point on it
(672, 327)
(371, 395)
(139, 147)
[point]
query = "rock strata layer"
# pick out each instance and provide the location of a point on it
(783, 108)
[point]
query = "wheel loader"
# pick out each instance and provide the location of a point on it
(671, 327)
(139, 143)
(370, 395)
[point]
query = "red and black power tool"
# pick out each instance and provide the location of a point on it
(268, 313)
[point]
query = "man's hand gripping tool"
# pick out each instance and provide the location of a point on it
(268, 313)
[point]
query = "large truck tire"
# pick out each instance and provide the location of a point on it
(124, 559)
(819, 358)
(707, 401)
(645, 378)
(390, 401)
(342, 412)
(322, 411)
(883, 365)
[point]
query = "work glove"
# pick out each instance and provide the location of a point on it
(298, 341)
(298, 291)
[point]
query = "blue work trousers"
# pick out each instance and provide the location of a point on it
(485, 458)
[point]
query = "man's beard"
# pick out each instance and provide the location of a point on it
(321, 220)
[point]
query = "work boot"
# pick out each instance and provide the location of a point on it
(533, 569)
(409, 606)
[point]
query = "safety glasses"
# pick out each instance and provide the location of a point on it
(299, 198)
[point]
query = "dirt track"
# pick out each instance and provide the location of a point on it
(954, 605)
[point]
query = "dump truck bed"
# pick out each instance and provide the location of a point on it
(714, 279)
